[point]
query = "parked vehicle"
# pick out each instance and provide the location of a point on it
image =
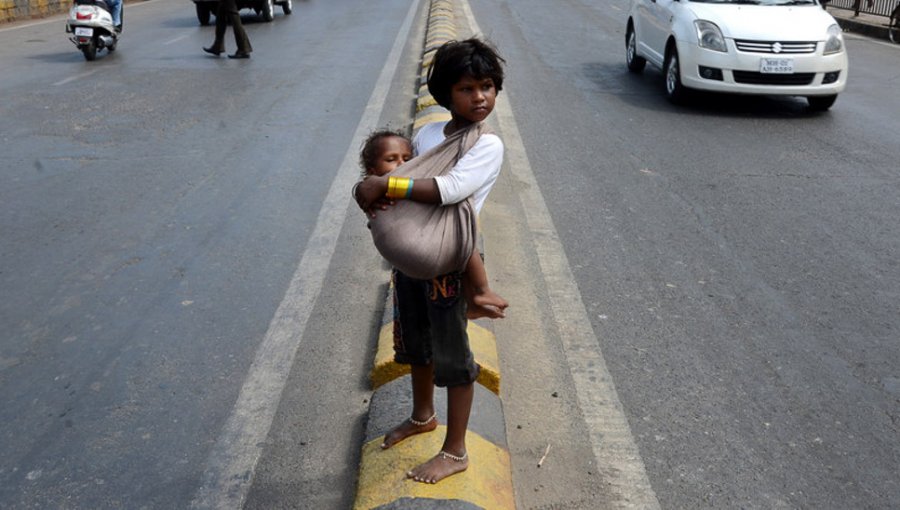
(91, 25)
(264, 8)
(770, 47)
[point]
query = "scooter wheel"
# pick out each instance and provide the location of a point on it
(90, 50)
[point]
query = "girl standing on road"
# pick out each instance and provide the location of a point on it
(430, 318)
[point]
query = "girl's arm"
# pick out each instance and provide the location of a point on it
(371, 193)
(474, 174)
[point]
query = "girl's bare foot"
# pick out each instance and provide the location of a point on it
(439, 467)
(409, 427)
(486, 304)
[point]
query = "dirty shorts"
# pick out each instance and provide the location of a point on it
(430, 326)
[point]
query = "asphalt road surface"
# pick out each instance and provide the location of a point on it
(704, 298)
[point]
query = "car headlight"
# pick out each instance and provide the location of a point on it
(835, 41)
(710, 36)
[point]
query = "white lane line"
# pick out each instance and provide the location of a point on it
(75, 77)
(175, 40)
(55, 19)
(231, 464)
(874, 40)
(615, 451)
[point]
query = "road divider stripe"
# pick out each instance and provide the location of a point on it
(481, 341)
(383, 484)
(616, 454)
(229, 468)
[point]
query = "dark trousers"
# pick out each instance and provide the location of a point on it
(228, 12)
(430, 327)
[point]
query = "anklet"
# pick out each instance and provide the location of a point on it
(418, 423)
(452, 457)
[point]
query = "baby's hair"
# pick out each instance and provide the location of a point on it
(455, 59)
(369, 153)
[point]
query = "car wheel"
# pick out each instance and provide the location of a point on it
(287, 6)
(268, 12)
(635, 62)
(203, 12)
(821, 103)
(675, 91)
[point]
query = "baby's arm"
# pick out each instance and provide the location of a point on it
(481, 300)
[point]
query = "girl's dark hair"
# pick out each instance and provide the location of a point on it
(369, 153)
(455, 59)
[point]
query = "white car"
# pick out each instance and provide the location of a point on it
(771, 47)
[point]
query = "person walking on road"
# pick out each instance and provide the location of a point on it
(430, 318)
(857, 5)
(228, 12)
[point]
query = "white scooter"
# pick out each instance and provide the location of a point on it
(91, 23)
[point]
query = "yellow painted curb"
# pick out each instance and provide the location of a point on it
(382, 473)
(425, 102)
(428, 119)
(481, 341)
(423, 91)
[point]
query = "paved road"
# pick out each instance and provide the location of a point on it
(156, 205)
(189, 302)
(737, 260)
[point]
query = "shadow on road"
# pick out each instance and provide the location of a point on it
(646, 90)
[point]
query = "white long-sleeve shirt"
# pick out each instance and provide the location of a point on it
(474, 174)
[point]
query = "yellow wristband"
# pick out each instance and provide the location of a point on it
(399, 187)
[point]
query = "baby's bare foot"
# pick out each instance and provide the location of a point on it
(486, 304)
(439, 467)
(409, 427)
(477, 312)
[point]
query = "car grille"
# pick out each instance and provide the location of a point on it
(776, 47)
(756, 78)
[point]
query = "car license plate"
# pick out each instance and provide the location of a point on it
(84, 31)
(776, 65)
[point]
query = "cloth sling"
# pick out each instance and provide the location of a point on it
(428, 240)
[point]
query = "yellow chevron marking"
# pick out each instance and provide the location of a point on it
(382, 473)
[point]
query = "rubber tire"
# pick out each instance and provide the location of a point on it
(90, 50)
(268, 10)
(287, 6)
(675, 91)
(821, 103)
(203, 13)
(634, 62)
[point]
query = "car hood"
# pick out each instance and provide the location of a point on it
(766, 22)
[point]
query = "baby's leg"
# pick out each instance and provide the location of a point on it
(481, 300)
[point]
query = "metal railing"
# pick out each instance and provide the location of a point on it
(876, 7)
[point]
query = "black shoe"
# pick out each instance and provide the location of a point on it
(213, 51)
(118, 29)
(240, 54)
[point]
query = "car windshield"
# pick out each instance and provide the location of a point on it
(757, 2)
